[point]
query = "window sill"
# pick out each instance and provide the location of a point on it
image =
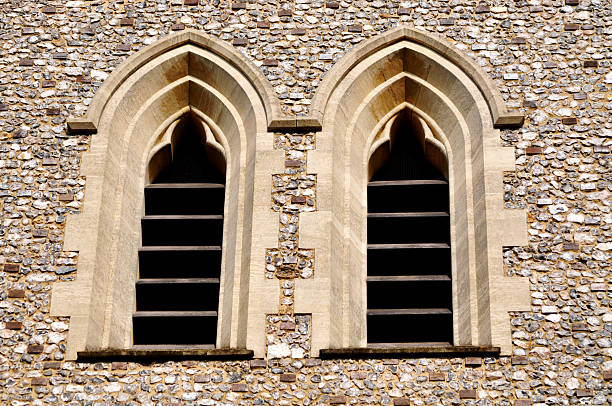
(145, 355)
(412, 352)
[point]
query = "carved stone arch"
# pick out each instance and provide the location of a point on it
(186, 73)
(448, 95)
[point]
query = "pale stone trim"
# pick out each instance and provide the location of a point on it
(455, 108)
(447, 103)
(132, 121)
(339, 72)
(133, 63)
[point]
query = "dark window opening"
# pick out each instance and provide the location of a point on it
(409, 291)
(177, 293)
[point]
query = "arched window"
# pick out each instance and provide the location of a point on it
(153, 119)
(450, 100)
(408, 252)
(182, 233)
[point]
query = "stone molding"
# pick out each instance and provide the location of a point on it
(132, 116)
(447, 105)
(276, 121)
(403, 70)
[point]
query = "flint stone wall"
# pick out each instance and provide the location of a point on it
(550, 60)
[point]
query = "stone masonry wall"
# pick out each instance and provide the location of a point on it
(550, 59)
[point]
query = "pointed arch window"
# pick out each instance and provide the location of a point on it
(182, 234)
(408, 251)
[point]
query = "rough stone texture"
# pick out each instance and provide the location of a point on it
(550, 59)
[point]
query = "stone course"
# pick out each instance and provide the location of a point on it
(550, 60)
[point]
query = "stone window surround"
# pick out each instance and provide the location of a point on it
(404, 69)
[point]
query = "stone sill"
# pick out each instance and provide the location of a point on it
(174, 354)
(451, 351)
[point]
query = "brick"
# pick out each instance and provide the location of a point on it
(287, 325)
(355, 28)
(529, 104)
(177, 27)
(66, 197)
(482, 9)
(401, 402)
(270, 62)
(52, 365)
(13, 325)
(20, 134)
(519, 40)
(590, 64)
(288, 378)
(332, 5)
(48, 162)
(119, 365)
(202, 378)
(298, 199)
(258, 363)
(436, 376)
(285, 13)
(607, 375)
(579, 96)
(240, 42)
(53, 111)
(447, 21)
(88, 31)
(49, 10)
(467, 394)
(519, 360)
(522, 402)
(11, 268)
(584, 393)
(39, 381)
(298, 31)
(337, 400)
(569, 120)
(125, 22)
(240, 387)
(60, 55)
(572, 2)
(579, 326)
(549, 65)
(536, 9)
(473, 361)
(571, 27)
(238, 6)
(403, 11)
(3, 107)
(83, 79)
(26, 62)
(48, 83)
(571, 246)
(124, 47)
(312, 362)
(358, 375)
(16, 293)
(190, 2)
(533, 150)
(35, 348)
(263, 24)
